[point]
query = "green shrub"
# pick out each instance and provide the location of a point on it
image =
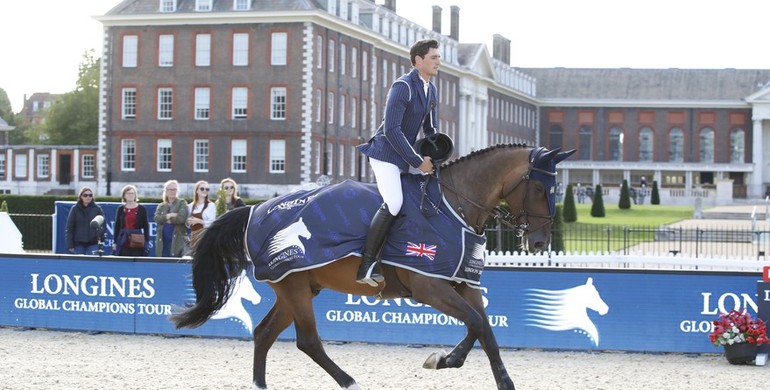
(655, 198)
(597, 208)
(557, 230)
(570, 211)
(624, 203)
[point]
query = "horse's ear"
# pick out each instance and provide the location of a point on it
(550, 155)
(590, 281)
(563, 155)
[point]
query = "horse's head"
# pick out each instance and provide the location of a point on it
(592, 298)
(532, 197)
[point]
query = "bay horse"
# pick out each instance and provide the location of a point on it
(472, 185)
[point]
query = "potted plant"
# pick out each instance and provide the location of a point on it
(740, 334)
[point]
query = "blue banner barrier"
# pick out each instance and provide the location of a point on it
(574, 309)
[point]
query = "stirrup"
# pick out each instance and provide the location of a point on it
(368, 278)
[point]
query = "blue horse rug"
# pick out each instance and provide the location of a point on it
(309, 229)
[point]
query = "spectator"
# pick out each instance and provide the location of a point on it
(202, 212)
(131, 217)
(231, 194)
(170, 216)
(81, 238)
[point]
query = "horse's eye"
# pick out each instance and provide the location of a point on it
(539, 187)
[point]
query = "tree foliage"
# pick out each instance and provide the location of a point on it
(6, 112)
(557, 230)
(597, 208)
(570, 211)
(74, 118)
(624, 203)
(655, 197)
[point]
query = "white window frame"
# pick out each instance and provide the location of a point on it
(89, 166)
(166, 50)
(319, 44)
(341, 158)
(130, 51)
(240, 103)
(318, 103)
(240, 49)
(317, 162)
(167, 6)
(2, 165)
(365, 65)
(202, 103)
(201, 153)
(128, 155)
(354, 62)
(364, 114)
(165, 104)
(43, 165)
(278, 103)
(202, 49)
(277, 156)
(341, 109)
(279, 48)
(241, 5)
(343, 59)
(20, 166)
(165, 155)
(239, 155)
(353, 158)
(353, 112)
(328, 169)
(330, 102)
(128, 103)
(330, 54)
(203, 5)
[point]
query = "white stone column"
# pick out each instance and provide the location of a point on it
(53, 166)
(756, 181)
(463, 126)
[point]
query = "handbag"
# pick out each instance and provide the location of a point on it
(136, 240)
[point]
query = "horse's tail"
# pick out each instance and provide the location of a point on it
(219, 257)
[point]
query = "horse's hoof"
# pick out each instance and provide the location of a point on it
(432, 362)
(354, 386)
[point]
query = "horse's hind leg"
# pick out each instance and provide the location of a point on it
(296, 292)
(265, 334)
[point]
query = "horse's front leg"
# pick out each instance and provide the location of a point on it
(296, 292)
(265, 334)
(487, 340)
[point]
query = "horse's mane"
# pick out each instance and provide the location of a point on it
(482, 151)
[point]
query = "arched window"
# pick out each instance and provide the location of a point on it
(584, 143)
(645, 144)
(676, 145)
(555, 137)
(616, 144)
(707, 145)
(737, 146)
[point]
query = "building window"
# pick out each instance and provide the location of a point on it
(353, 155)
(278, 48)
(676, 145)
(616, 144)
(202, 103)
(43, 165)
(128, 155)
(374, 68)
(737, 146)
(166, 50)
(343, 105)
(317, 105)
(330, 54)
(329, 159)
(645, 144)
(240, 49)
(164, 155)
(341, 158)
(555, 135)
(277, 156)
(384, 73)
(707, 145)
(203, 5)
(167, 5)
(128, 110)
(353, 112)
(343, 59)
(365, 65)
(584, 148)
(2, 165)
(130, 51)
(330, 103)
(354, 62)
(240, 102)
(202, 49)
(165, 103)
(319, 51)
(242, 5)
(364, 115)
(278, 103)
(317, 161)
(20, 165)
(238, 160)
(89, 165)
(201, 155)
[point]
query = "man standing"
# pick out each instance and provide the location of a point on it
(410, 106)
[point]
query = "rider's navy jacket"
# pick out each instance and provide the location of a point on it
(407, 110)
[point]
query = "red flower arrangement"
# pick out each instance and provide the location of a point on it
(738, 327)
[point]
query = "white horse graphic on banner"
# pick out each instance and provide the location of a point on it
(234, 309)
(560, 310)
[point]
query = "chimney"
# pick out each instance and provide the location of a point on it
(391, 5)
(501, 48)
(454, 23)
(437, 19)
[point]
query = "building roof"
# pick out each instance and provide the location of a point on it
(129, 7)
(647, 84)
(4, 125)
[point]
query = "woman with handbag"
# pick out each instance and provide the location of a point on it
(132, 228)
(202, 212)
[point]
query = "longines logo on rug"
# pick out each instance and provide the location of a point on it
(560, 310)
(234, 310)
(286, 245)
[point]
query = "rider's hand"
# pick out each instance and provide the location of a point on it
(427, 165)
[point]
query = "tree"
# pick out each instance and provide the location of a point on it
(74, 118)
(597, 208)
(557, 230)
(6, 112)
(570, 211)
(221, 202)
(655, 197)
(624, 203)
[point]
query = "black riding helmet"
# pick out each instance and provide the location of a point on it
(439, 147)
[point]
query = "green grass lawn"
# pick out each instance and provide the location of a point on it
(648, 215)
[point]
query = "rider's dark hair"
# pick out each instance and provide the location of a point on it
(421, 48)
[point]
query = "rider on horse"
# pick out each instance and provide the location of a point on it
(411, 105)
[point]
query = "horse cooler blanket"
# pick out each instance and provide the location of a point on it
(308, 229)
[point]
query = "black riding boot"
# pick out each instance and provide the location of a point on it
(369, 271)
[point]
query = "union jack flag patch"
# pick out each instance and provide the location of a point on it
(421, 250)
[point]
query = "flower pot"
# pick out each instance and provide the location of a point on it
(741, 353)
